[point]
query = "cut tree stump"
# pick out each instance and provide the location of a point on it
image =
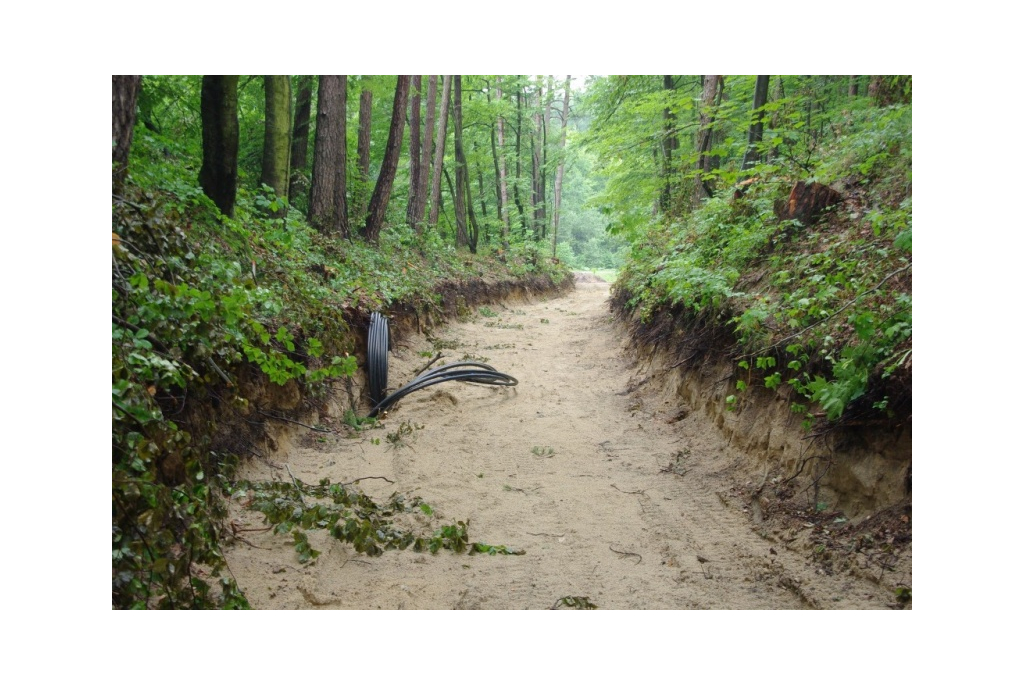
(807, 202)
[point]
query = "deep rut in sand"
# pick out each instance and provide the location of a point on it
(610, 499)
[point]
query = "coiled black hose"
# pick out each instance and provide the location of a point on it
(377, 367)
(377, 357)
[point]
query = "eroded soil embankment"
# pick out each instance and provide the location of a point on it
(843, 488)
(611, 495)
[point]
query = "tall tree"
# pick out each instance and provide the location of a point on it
(481, 193)
(442, 134)
(124, 93)
(277, 135)
(494, 155)
(519, 159)
(423, 178)
(538, 165)
(340, 222)
(705, 161)
(560, 171)
(545, 126)
(300, 134)
(778, 92)
(365, 115)
(415, 152)
(382, 190)
(499, 155)
(328, 151)
(461, 183)
(218, 108)
(474, 225)
(668, 145)
(756, 133)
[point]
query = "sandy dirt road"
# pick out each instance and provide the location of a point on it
(608, 499)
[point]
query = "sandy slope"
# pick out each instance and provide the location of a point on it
(569, 467)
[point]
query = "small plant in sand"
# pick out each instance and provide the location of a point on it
(443, 344)
(573, 602)
(359, 423)
(405, 434)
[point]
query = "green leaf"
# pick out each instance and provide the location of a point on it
(314, 347)
(903, 240)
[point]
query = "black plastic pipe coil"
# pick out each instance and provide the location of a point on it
(377, 356)
(377, 367)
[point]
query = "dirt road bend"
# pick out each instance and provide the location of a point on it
(609, 500)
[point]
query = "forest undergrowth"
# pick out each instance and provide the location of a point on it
(818, 310)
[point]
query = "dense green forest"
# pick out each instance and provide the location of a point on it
(259, 220)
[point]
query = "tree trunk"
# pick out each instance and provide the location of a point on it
(538, 163)
(519, 161)
(480, 182)
(219, 110)
(705, 161)
(365, 116)
(300, 135)
(778, 92)
(656, 206)
(853, 87)
(327, 147)
(494, 158)
(439, 139)
(382, 190)
(502, 180)
(423, 185)
(497, 178)
(277, 136)
(340, 194)
(544, 159)
(124, 93)
(474, 225)
(756, 133)
(451, 194)
(461, 186)
(670, 143)
(807, 202)
(560, 171)
(889, 90)
(414, 148)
